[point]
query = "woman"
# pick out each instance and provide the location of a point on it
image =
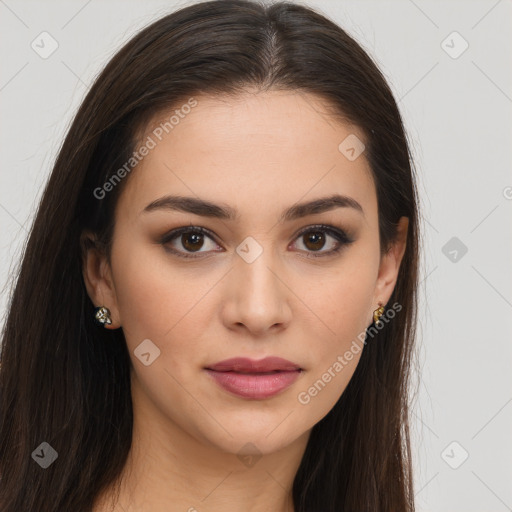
(216, 306)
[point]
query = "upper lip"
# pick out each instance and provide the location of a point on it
(244, 364)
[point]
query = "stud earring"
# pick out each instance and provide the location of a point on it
(102, 316)
(378, 313)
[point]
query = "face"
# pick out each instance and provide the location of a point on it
(253, 276)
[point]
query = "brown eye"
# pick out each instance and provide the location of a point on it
(315, 238)
(314, 241)
(187, 241)
(192, 241)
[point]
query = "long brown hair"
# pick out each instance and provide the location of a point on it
(66, 382)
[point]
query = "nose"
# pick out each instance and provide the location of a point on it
(257, 299)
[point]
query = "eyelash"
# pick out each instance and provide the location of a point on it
(340, 235)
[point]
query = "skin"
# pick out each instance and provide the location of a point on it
(259, 153)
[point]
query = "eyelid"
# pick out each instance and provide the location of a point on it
(333, 230)
(340, 234)
(186, 229)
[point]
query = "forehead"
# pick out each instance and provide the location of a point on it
(263, 148)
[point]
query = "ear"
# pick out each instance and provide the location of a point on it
(390, 264)
(98, 276)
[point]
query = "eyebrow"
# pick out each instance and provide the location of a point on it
(206, 208)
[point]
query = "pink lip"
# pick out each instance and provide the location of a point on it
(244, 364)
(250, 378)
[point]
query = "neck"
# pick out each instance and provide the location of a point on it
(167, 465)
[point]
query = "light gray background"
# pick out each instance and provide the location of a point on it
(458, 115)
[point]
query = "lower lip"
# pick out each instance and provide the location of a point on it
(257, 387)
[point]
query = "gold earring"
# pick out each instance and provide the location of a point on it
(378, 313)
(102, 316)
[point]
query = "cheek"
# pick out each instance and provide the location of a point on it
(152, 296)
(164, 302)
(343, 306)
(343, 302)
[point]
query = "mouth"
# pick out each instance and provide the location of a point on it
(254, 373)
(254, 386)
(252, 379)
(244, 365)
